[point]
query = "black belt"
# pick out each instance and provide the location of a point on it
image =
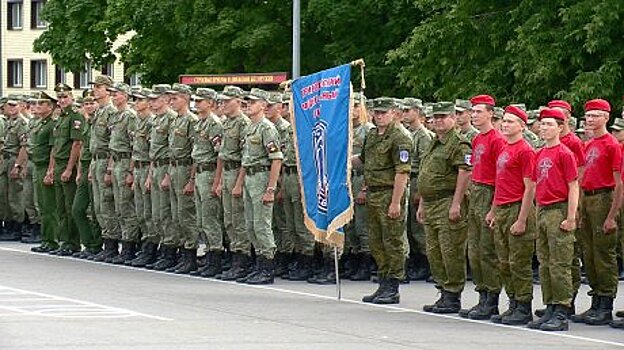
(141, 164)
(357, 171)
(100, 155)
(478, 184)
(438, 195)
(231, 165)
(256, 169)
(121, 155)
(181, 162)
(374, 189)
(289, 170)
(199, 168)
(507, 205)
(558, 205)
(161, 162)
(598, 191)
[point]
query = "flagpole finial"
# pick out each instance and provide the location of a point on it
(360, 62)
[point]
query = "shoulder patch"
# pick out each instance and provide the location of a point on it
(403, 156)
(77, 124)
(468, 159)
(272, 147)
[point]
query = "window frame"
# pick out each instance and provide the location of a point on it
(11, 71)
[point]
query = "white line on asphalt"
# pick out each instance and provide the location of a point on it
(389, 308)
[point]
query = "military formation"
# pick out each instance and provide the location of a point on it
(443, 192)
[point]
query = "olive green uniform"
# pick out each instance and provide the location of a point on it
(141, 162)
(384, 156)
(123, 127)
(283, 239)
(181, 137)
(68, 129)
(416, 231)
(208, 137)
(446, 240)
(469, 133)
(41, 145)
(30, 196)
(16, 137)
(233, 207)
(103, 200)
(532, 139)
(261, 146)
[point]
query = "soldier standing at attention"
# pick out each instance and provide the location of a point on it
(386, 156)
(103, 201)
(513, 218)
(464, 122)
(262, 162)
(602, 189)
(141, 165)
(41, 148)
(31, 229)
(123, 128)
(230, 178)
(208, 138)
(486, 147)
(90, 236)
(67, 140)
(557, 195)
(444, 177)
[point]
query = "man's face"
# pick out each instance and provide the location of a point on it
(65, 101)
(383, 118)
(619, 135)
(442, 123)
(204, 106)
(409, 116)
(480, 115)
(100, 92)
(274, 110)
(549, 129)
(512, 125)
(90, 107)
(12, 109)
(286, 111)
(357, 109)
(119, 98)
(178, 102)
(463, 118)
(141, 104)
(256, 107)
(596, 120)
(231, 106)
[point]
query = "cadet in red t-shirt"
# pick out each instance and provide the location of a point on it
(602, 187)
(557, 195)
(486, 146)
(513, 218)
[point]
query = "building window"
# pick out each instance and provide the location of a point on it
(36, 18)
(134, 79)
(83, 78)
(108, 69)
(59, 75)
(14, 13)
(39, 74)
(15, 73)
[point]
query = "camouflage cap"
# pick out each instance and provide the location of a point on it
(63, 89)
(88, 95)
(42, 96)
(443, 108)
(286, 97)
(358, 97)
(522, 106)
(14, 99)
(274, 97)
(178, 88)
(159, 90)
(102, 80)
(120, 87)
(618, 124)
(204, 94)
(498, 112)
(257, 94)
(142, 93)
(533, 115)
(412, 103)
(135, 88)
(230, 91)
(462, 105)
(384, 104)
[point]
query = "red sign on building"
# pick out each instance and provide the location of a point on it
(234, 79)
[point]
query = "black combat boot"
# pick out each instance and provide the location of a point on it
(190, 262)
(520, 316)
(254, 270)
(169, 259)
(546, 315)
(109, 252)
(10, 232)
(351, 264)
(429, 307)
(160, 255)
(303, 270)
(44, 248)
(451, 304)
(559, 320)
(128, 249)
(603, 314)
(617, 323)
(281, 261)
(213, 265)
(389, 295)
(228, 274)
(582, 318)
(513, 304)
(180, 259)
(482, 299)
(486, 310)
(364, 267)
(148, 256)
(31, 233)
(240, 267)
(265, 274)
(383, 284)
(329, 272)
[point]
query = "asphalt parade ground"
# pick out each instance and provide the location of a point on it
(49, 302)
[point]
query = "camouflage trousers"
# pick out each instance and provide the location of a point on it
(356, 232)
(124, 202)
(515, 252)
(415, 230)
(208, 211)
(183, 208)
(293, 210)
(30, 196)
(103, 200)
(386, 236)
(284, 240)
(164, 227)
(233, 212)
(555, 251)
(446, 244)
(12, 192)
(258, 215)
(143, 204)
(599, 248)
(481, 251)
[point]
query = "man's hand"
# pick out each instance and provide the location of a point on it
(66, 175)
(518, 228)
(394, 211)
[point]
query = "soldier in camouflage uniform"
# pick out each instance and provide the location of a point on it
(464, 124)
(31, 229)
(123, 127)
(208, 138)
(444, 176)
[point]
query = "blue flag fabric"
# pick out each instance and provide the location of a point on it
(322, 132)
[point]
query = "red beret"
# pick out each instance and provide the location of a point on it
(597, 105)
(552, 113)
(518, 112)
(483, 99)
(560, 104)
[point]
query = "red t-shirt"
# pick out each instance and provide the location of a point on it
(485, 150)
(555, 167)
(515, 163)
(603, 156)
(575, 144)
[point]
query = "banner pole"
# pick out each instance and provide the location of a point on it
(338, 290)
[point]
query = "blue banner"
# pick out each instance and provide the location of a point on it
(322, 132)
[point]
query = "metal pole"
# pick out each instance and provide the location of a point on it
(296, 71)
(338, 290)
